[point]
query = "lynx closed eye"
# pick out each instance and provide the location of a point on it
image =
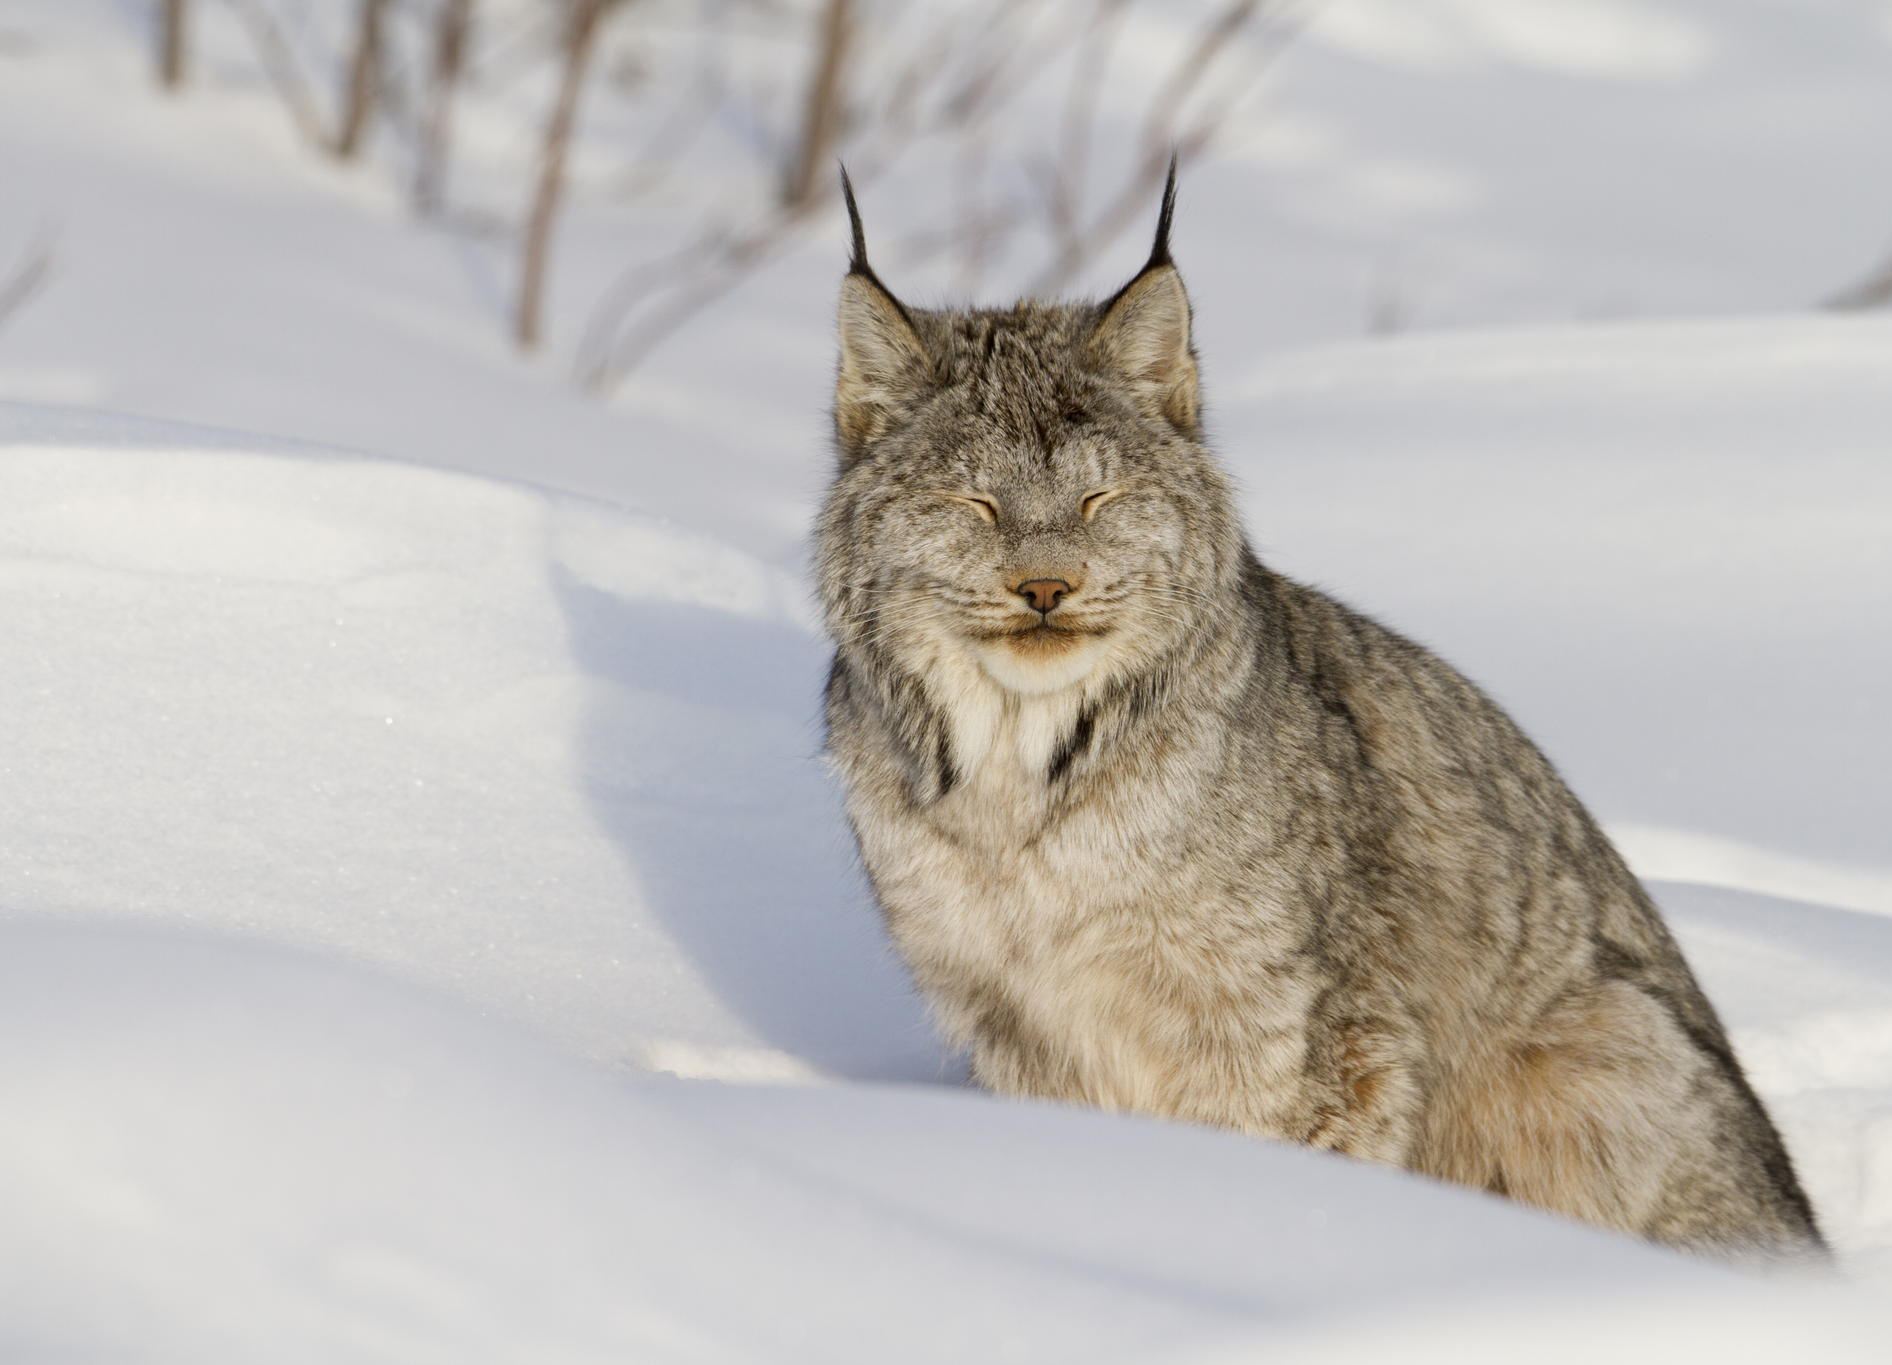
(985, 507)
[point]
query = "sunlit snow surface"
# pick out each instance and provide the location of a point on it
(313, 761)
(427, 931)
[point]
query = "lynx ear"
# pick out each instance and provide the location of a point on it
(1143, 335)
(884, 365)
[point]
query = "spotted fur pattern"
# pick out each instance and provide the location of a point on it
(1202, 842)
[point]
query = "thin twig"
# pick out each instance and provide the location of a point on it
(1874, 291)
(1159, 140)
(29, 277)
(821, 104)
(280, 66)
(581, 35)
(1068, 170)
(955, 89)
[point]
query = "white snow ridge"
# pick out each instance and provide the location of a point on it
(359, 829)
(428, 932)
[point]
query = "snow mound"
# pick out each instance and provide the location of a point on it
(367, 819)
(550, 757)
(217, 1150)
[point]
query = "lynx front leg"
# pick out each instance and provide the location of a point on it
(1348, 1084)
(1011, 1056)
(1361, 1080)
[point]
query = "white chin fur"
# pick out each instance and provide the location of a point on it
(1034, 677)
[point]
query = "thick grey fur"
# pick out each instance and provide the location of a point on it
(1203, 842)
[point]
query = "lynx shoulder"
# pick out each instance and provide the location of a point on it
(1158, 829)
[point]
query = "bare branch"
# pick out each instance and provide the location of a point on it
(280, 66)
(580, 39)
(821, 114)
(971, 81)
(659, 297)
(1069, 169)
(1188, 74)
(364, 80)
(691, 278)
(1875, 291)
(28, 277)
(1161, 136)
(172, 17)
(976, 231)
(670, 136)
(954, 83)
(453, 28)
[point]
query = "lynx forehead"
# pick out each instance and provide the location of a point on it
(1158, 829)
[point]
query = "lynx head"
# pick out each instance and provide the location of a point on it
(1022, 490)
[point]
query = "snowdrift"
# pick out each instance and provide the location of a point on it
(377, 836)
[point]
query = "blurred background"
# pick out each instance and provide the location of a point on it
(512, 217)
(1556, 333)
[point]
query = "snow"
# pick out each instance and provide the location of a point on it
(1647, 537)
(372, 825)
(275, 1156)
(487, 733)
(427, 928)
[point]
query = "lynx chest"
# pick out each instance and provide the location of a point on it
(1078, 913)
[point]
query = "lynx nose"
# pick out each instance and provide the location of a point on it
(1043, 593)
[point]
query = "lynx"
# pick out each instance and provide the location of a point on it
(1159, 830)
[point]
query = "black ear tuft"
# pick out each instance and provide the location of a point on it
(1142, 334)
(1159, 249)
(1159, 252)
(857, 263)
(857, 260)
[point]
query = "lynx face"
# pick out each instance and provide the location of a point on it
(1022, 491)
